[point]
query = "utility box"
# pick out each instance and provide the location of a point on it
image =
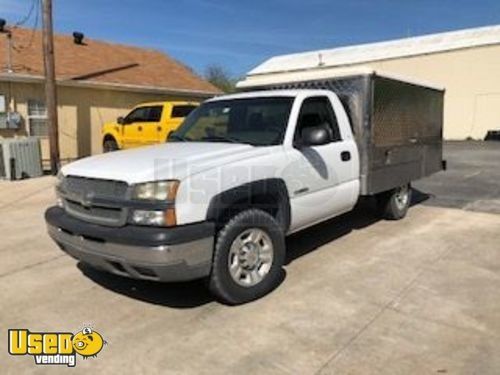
(20, 158)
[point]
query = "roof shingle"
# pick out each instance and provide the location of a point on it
(100, 62)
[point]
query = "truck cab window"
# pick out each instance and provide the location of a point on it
(316, 111)
(255, 121)
(145, 114)
(154, 114)
(137, 115)
(182, 110)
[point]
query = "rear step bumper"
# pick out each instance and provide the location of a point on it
(169, 261)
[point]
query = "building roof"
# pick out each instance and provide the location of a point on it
(280, 78)
(364, 53)
(100, 64)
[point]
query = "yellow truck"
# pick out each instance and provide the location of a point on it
(146, 124)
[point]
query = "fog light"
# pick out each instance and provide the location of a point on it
(143, 217)
(60, 202)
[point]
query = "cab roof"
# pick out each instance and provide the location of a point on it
(171, 102)
(269, 93)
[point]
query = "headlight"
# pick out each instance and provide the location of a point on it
(158, 191)
(155, 191)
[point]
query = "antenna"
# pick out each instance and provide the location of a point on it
(320, 62)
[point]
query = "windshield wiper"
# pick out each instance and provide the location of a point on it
(224, 138)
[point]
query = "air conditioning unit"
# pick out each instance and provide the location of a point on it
(3, 121)
(20, 158)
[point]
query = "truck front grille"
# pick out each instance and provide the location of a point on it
(105, 215)
(98, 187)
(79, 196)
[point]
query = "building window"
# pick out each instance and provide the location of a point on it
(37, 118)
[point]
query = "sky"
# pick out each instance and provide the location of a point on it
(239, 34)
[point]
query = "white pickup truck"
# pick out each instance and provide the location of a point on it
(218, 199)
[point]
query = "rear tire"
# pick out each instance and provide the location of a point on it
(110, 145)
(394, 204)
(248, 258)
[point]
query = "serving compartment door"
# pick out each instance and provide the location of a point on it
(406, 133)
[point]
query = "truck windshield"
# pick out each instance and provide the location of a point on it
(255, 121)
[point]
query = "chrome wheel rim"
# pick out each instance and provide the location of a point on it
(250, 257)
(402, 197)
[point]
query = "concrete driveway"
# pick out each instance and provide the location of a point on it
(360, 296)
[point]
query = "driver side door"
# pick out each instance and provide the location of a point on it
(133, 126)
(143, 126)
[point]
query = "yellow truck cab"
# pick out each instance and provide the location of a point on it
(146, 124)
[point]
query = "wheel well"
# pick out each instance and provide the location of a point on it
(262, 202)
(108, 137)
(267, 195)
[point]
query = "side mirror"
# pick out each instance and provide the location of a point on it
(120, 120)
(315, 136)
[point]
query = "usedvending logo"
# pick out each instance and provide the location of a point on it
(55, 348)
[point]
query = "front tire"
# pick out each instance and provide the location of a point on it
(110, 145)
(248, 258)
(394, 204)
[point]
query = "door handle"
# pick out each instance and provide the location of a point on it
(301, 191)
(158, 128)
(345, 155)
(139, 128)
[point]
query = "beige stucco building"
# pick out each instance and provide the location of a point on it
(96, 82)
(466, 63)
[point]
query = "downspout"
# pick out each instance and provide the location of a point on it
(9, 52)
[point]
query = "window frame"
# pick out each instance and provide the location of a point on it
(153, 107)
(31, 116)
(337, 135)
(137, 109)
(183, 106)
(195, 116)
(147, 109)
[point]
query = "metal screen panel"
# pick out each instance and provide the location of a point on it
(404, 113)
(407, 125)
(79, 194)
(108, 215)
(97, 187)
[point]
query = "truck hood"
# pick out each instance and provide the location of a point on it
(175, 160)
